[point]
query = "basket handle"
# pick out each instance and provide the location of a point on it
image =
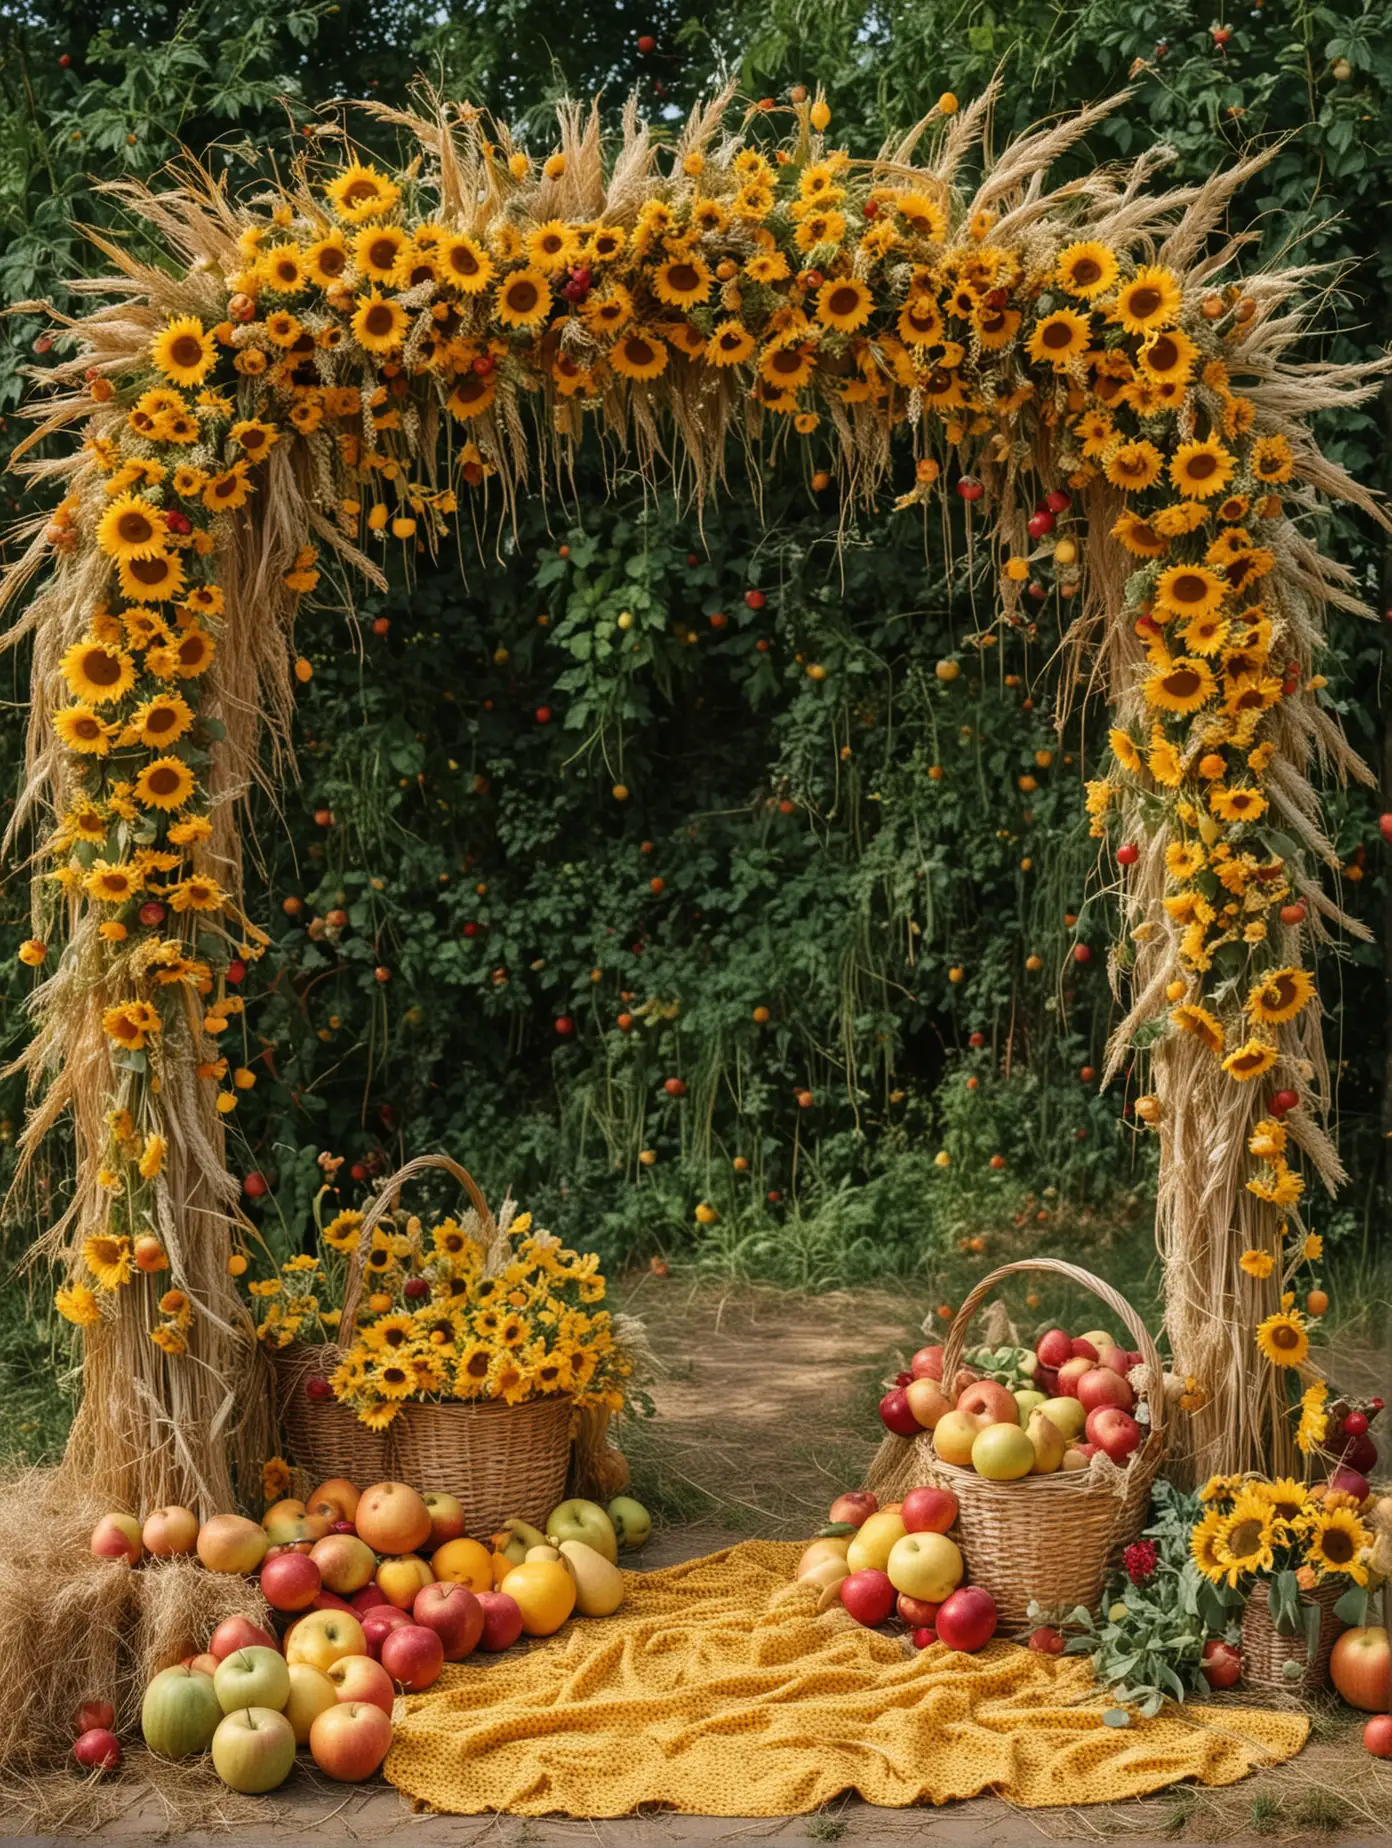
(386, 1202)
(1154, 1394)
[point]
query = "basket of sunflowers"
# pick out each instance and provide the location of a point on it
(471, 1346)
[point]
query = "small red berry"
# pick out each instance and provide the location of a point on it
(152, 913)
(65, 61)
(1056, 500)
(318, 1388)
(1081, 953)
(564, 1025)
(236, 971)
(977, 1040)
(1282, 1102)
(674, 1087)
(1128, 853)
(415, 1289)
(970, 488)
(1385, 828)
(1356, 1425)
(543, 715)
(255, 1185)
(755, 599)
(647, 44)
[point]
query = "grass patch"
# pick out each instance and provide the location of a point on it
(1266, 1812)
(1319, 1811)
(825, 1827)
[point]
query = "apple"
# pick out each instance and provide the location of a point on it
(1101, 1387)
(465, 1562)
(819, 1551)
(337, 1499)
(362, 1678)
(369, 1598)
(631, 1522)
(1358, 1453)
(1067, 1413)
(205, 1664)
(288, 1507)
(180, 1713)
(454, 1613)
(311, 1693)
(929, 1511)
(229, 1543)
(447, 1520)
(379, 1623)
(1080, 1348)
(502, 1621)
(989, 1403)
(330, 1601)
(928, 1403)
(392, 1518)
(1361, 1668)
(918, 1613)
(345, 1563)
(1053, 1348)
(321, 1637)
(925, 1638)
(348, 1742)
(954, 1436)
(896, 1414)
(170, 1532)
(1377, 1736)
(117, 1536)
(97, 1749)
(868, 1596)
(870, 1546)
(289, 1582)
(587, 1522)
(254, 1749)
(295, 1531)
(1046, 1641)
(1221, 1664)
(252, 1678)
(1114, 1431)
(94, 1716)
(967, 1619)
(1348, 1482)
(1117, 1360)
(545, 1593)
(1072, 1371)
(399, 1580)
(1092, 1338)
(927, 1566)
(238, 1633)
(1028, 1400)
(927, 1363)
(853, 1508)
(1049, 1444)
(1002, 1453)
(413, 1655)
(1078, 1456)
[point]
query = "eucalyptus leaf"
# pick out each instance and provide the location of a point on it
(1117, 1717)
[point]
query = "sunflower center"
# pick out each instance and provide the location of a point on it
(160, 720)
(135, 528)
(191, 650)
(477, 1366)
(358, 190)
(1058, 334)
(332, 261)
(186, 350)
(1143, 302)
(102, 669)
(1183, 683)
(844, 301)
(1086, 271)
(1164, 354)
(1283, 1336)
(638, 352)
(87, 728)
(253, 439)
(1245, 1539)
(523, 297)
(1130, 461)
(1188, 587)
(684, 276)
(163, 781)
(1201, 466)
(785, 360)
(378, 320)
(1336, 1546)
(470, 388)
(150, 570)
(381, 252)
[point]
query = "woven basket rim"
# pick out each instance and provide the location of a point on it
(1148, 1458)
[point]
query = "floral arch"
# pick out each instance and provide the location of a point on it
(350, 362)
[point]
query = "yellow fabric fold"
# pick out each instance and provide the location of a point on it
(717, 1690)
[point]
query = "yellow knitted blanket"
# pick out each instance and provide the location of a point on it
(718, 1691)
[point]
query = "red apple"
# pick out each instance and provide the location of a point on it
(918, 1613)
(1080, 1345)
(1377, 1735)
(868, 1596)
(854, 1507)
(1046, 1641)
(1221, 1666)
(290, 1582)
(169, 1532)
(502, 1620)
(897, 1414)
(989, 1403)
(98, 1749)
(455, 1615)
(349, 1741)
(927, 1363)
(447, 1519)
(205, 1664)
(94, 1716)
(1114, 1431)
(1053, 1348)
(1358, 1452)
(368, 1599)
(345, 1563)
(359, 1677)
(1046, 1381)
(377, 1624)
(413, 1656)
(928, 1402)
(967, 1619)
(330, 1601)
(1361, 1668)
(235, 1633)
(925, 1638)
(117, 1536)
(928, 1511)
(1349, 1482)
(1071, 1372)
(1116, 1358)
(1101, 1386)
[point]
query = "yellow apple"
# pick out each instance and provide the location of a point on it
(927, 1566)
(399, 1580)
(544, 1593)
(871, 1543)
(322, 1637)
(820, 1551)
(311, 1692)
(1002, 1453)
(1068, 1414)
(1029, 1402)
(953, 1437)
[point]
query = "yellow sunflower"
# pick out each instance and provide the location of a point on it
(471, 1370)
(112, 884)
(1189, 1017)
(1205, 635)
(1184, 860)
(1169, 357)
(197, 893)
(1182, 685)
(282, 269)
(682, 282)
(523, 300)
(96, 673)
(326, 261)
(341, 1233)
(110, 1259)
(1246, 1539)
(1189, 590)
(607, 312)
(377, 251)
(166, 783)
(360, 192)
(1272, 460)
(1250, 1061)
(1202, 468)
(228, 489)
(1336, 1541)
(132, 528)
(150, 580)
(393, 1378)
(464, 264)
(1060, 338)
(1281, 995)
(553, 246)
(1314, 1419)
(1151, 299)
(83, 730)
(77, 1304)
(471, 397)
(1125, 750)
(254, 436)
(1287, 1498)
(843, 304)
(730, 344)
(378, 324)
(191, 653)
(638, 356)
(183, 352)
(1203, 1545)
(1237, 804)
(925, 217)
(787, 366)
(1087, 269)
(1132, 466)
(1139, 536)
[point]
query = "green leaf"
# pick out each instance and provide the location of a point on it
(1116, 1717)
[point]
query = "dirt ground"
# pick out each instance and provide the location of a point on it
(765, 1412)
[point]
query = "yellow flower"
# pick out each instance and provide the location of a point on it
(1184, 860)
(508, 1380)
(1312, 1248)
(198, 893)
(130, 528)
(1139, 536)
(1246, 1538)
(377, 251)
(1087, 269)
(1060, 338)
(1125, 750)
(844, 304)
(1257, 1263)
(112, 884)
(1314, 1420)
(159, 721)
(1286, 1498)
(183, 352)
(524, 300)
(165, 783)
(1133, 466)
(1237, 804)
(150, 580)
(109, 1257)
(464, 264)
(77, 1304)
(1181, 685)
(255, 436)
(1189, 1017)
(360, 192)
(1282, 1338)
(378, 324)
(1336, 1541)
(168, 1337)
(1202, 468)
(1189, 590)
(471, 1370)
(638, 356)
(377, 1414)
(1149, 300)
(1250, 1061)
(1281, 995)
(1203, 1545)
(730, 344)
(341, 1233)
(152, 1157)
(131, 1024)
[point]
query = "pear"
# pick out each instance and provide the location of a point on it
(599, 1586)
(544, 1551)
(525, 1532)
(586, 1522)
(1049, 1444)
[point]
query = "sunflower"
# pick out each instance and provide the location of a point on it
(767, 267)
(1281, 995)
(524, 300)
(464, 264)
(512, 1331)
(378, 324)
(77, 1304)
(1246, 1538)
(1189, 590)
(166, 783)
(1337, 1541)
(282, 269)
(377, 1414)
(150, 580)
(1250, 1061)
(377, 251)
(1182, 685)
(471, 397)
(1060, 338)
(922, 215)
(1203, 1545)
(341, 1233)
(82, 730)
(183, 352)
(919, 322)
(471, 1370)
(110, 1259)
(191, 654)
(1184, 860)
(508, 1380)
(606, 313)
(326, 261)
(96, 673)
(1258, 1264)
(360, 192)
(1205, 635)
(390, 1334)
(1133, 465)
(683, 282)
(1287, 1498)
(844, 304)
(132, 528)
(205, 600)
(1314, 1420)
(187, 482)
(1169, 357)
(553, 246)
(1237, 804)
(256, 437)
(393, 1379)
(197, 893)
(1202, 468)
(227, 490)
(112, 884)
(730, 344)
(638, 355)
(1189, 1017)
(787, 366)
(1151, 299)
(1087, 269)
(1139, 536)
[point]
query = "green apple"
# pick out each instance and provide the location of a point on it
(631, 1521)
(586, 1522)
(1028, 1401)
(254, 1677)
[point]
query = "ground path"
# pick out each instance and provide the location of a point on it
(765, 1406)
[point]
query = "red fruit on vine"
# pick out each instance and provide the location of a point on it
(357, 1172)
(871, 208)
(977, 1040)
(1039, 523)
(1356, 1425)
(543, 715)
(1128, 853)
(65, 61)
(152, 912)
(647, 44)
(1056, 500)
(382, 972)
(674, 1087)
(324, 817)
(805, 1100)
(970, 488)
(318, 1388)
(381, 624)
(177, 522)
(415, 1289)
(254, 1185)
(482, 366)
(998, 1162)
(564, 1025)
(1385, 828)
(1282, 1102)
(755, 599)
(236, 971)
(1221, 35)
(1081, 953)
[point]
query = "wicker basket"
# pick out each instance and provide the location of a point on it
(324, 1438)
(1266, 1652)
(1051, 1538)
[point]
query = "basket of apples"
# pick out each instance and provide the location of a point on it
(1052, 1480)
